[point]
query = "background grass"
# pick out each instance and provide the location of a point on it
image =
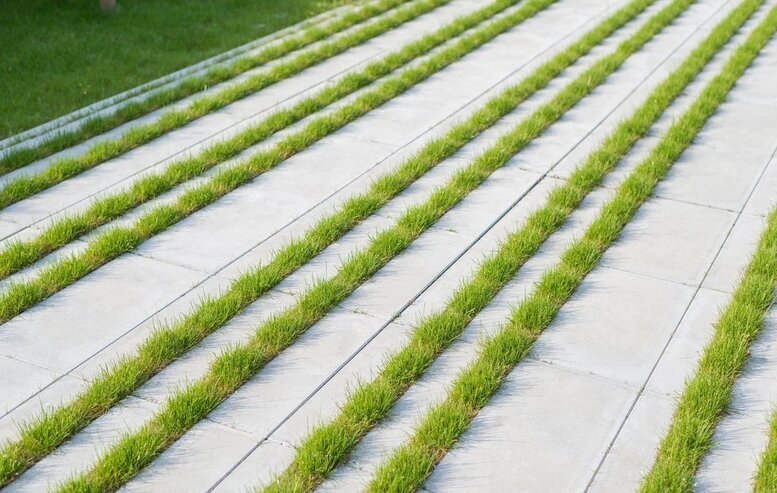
(61, 55)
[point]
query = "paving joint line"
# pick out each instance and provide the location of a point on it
(650, 276)
(230, 427)
(282, 443)
(141, 398)
(578, 372)
(161, 261)
(20, 360)
(697, 204)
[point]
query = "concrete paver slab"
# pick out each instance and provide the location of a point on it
(18, 378)
(763, 200)
(670, 240)
(82, 450)
(56, 336)
(614, 325)
(259, 468)
(505, 450)
(195, 461)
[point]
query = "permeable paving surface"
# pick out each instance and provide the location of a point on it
(588, 404)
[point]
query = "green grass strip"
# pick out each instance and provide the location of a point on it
(26, 186)
(100, 124)
(707, 396)
(766, 478)
(44, 435)
(20, 296)
(327, 445)
(238, 364)
(20, 254)
(411, 464)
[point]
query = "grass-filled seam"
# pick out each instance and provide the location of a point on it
(766, 477)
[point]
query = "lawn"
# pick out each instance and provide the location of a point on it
(61, 55)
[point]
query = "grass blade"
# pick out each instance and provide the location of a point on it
(766, 478)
